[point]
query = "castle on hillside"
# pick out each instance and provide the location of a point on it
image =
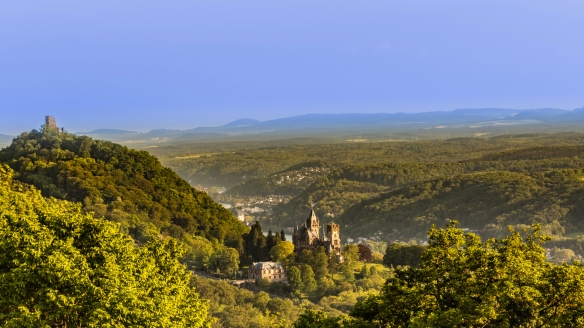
(309, 236)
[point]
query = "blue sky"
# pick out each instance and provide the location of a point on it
(140, 65)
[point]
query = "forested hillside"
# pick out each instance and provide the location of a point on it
(228, 169)
(291, 181)
(347, 187)
(487, 202)
(120, 184)
(396, 190)
(535, 153)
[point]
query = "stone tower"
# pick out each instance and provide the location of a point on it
(313, 224)
(333, 232)
(51, 123)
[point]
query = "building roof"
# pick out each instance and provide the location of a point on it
(266, 265)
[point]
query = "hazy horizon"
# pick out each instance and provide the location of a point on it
(40, 121)
(180, 65)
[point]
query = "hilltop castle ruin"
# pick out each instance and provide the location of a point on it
(51, 124)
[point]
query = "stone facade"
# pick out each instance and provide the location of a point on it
(333, 233)
(273, 271)
(51, 123)
(308, 236)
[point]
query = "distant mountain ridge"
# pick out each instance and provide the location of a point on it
(333, 122)
(108, 131)
(242, 122)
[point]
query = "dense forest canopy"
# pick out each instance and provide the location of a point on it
(121, 184)
(229, 168)
(60, 267)
(480, 194)
(486, 202)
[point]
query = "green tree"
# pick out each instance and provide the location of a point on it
(295, 283)
(308, 278)
(463, 281)
(317, 319)
(317, 259)
(255, 243)
(365, 272)
(199, 251)
(62, 268)
(351, 253)
(260, 300)
(226, 259)
(563, 255)
(347, 271)
(272, 240)
(281, 251)
(401, 254)
(325, 285)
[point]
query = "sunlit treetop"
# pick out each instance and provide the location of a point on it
(60, 267)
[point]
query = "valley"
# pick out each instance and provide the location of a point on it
(229, 209)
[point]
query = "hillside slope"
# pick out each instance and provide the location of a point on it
(219, 168)
(118, 183)
(345, 187)
(487, 202)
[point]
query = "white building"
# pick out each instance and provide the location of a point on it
(273, 271)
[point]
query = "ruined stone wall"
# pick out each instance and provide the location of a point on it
(51, 123)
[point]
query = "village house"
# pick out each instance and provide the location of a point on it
(272, 271)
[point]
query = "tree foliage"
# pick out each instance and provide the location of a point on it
(398, 254)
(308, 278)
(62, 268)
(463, 281)
(234, 307)
(280, 252)
(256, 244)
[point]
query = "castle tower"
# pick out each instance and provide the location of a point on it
(313, 224)
(51, 123)
(333, 232)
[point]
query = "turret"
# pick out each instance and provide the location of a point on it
(333, 232)
(313, 224)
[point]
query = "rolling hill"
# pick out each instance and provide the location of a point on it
(486, 202)
(402, 200)
(120, 184)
